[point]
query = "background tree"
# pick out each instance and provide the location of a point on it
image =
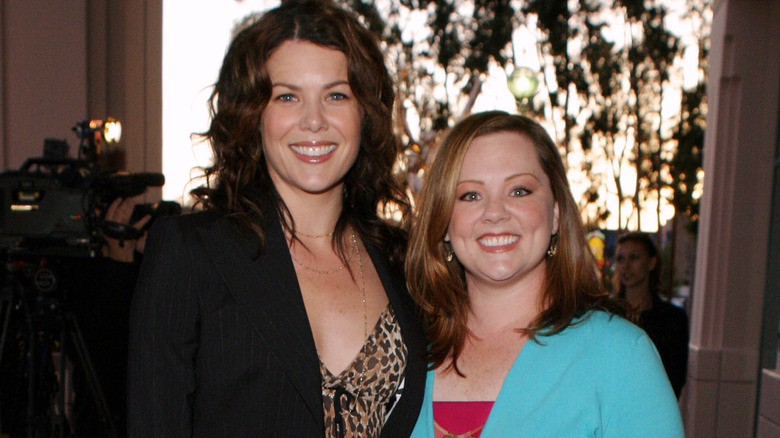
(608, 67)
(562, 32)
(651, 52)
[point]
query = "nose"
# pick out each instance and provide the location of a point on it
(495, 210)
(313, 117)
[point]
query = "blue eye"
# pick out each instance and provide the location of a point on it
(285, 97)
(338, 96)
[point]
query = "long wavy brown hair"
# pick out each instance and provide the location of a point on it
(238, 182)
(572, 284)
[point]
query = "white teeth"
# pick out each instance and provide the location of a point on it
(498, 240)
(313, 151)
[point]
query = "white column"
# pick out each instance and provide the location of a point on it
(730, 276)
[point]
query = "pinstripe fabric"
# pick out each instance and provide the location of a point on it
(220, 344)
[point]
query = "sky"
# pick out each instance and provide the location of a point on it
(196, 34)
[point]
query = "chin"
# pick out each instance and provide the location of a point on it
(319, 187)
(498, 276)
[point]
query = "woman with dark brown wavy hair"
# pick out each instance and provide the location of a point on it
(281, 309)
(523, 341)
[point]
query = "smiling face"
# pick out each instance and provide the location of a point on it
(504, 211)
(311, 126)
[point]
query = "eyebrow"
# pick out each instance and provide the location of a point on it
(296, 87)
(509, 178)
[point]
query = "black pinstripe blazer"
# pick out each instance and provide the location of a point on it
(220, 344)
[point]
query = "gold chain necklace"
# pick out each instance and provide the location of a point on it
(329, 271)
(365, 318)
(314, 236)
(359, 383)
(356, 249)
(363, 291)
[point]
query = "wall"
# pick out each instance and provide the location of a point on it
(731, 258)
(769, 405)
(42, 75)
(67, 61)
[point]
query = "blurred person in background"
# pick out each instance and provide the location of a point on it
(639, 274)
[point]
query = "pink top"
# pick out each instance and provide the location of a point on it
(463, 419)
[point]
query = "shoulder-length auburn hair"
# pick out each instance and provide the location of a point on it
(238, 182)
(572, 282)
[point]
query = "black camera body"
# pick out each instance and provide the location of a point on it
(43, 211)
(56, 207)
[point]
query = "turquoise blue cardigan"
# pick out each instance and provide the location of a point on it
(601, 377)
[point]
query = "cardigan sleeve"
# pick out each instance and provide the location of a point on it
(637, 399)
(163, 336)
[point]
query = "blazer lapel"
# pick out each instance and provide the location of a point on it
(267, 290)
(406, 410)
(398, 297)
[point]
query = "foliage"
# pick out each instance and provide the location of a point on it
(617, 121)
(607, 68)
(686, 163)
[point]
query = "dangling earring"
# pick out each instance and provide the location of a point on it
(346, 197)
(552, 250)
(449, 254)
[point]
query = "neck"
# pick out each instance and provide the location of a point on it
(489, 304)
(639, 296)
(314, 213)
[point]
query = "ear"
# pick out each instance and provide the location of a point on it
(556, 215)
(447, 237)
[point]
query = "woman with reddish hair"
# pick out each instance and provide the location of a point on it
(523, 342)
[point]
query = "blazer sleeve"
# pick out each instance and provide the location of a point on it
(164, 335)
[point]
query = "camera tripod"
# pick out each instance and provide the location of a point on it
(49, 334)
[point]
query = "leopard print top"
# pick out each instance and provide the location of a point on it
(355, 405)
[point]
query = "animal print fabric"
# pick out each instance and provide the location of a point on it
(355, 404)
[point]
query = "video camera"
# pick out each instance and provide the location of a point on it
(55, 205)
